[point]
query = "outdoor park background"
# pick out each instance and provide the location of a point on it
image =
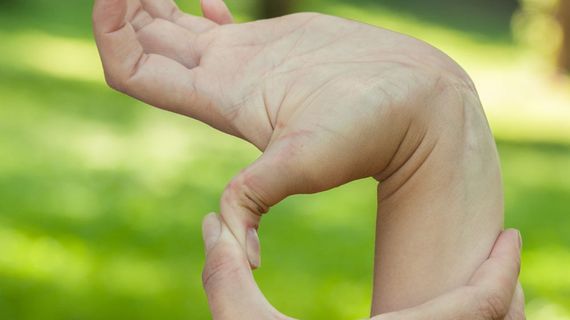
(101, 197)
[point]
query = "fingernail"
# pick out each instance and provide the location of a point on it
(253, 248)
(211, 230)
(520, 239)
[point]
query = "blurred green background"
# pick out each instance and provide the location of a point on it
(101, 197)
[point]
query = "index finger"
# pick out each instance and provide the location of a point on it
(152, 78)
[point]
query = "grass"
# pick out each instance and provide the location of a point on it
(101, 197)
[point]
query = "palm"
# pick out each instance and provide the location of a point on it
(233, 77)
(274, 69)
(327, 99)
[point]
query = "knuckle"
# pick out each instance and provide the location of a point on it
(114, 81)
(241, 191)
(221, 266)
(492, 306)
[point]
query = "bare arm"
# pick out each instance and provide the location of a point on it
(328, 101)
(440, 203)
(491, 293)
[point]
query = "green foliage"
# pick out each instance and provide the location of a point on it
(101, 198)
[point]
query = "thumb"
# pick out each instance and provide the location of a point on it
(109, 15)
(227, 278)
(270, 179)
(488, 295)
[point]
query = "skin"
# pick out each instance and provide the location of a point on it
(328, 101)
(492, 292)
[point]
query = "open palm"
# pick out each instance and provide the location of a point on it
(328, 100)
(236, 77)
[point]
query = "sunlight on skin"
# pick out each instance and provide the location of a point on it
(172, 145)
(464, 48)
(502, 71)
(514, 86)
(542, 112)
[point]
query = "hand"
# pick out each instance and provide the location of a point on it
(492, 293)
(328, 100)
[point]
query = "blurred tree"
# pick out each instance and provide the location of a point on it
(544, 27)
(275, 8)
(7, 3)
(564, 18)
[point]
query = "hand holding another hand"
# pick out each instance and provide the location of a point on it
(328, 101)
(493, 293)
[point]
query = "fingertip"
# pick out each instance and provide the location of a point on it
(211, 230)
(109, 15)
(507, 243)
(520, 239)
(217, 11)
(210, 216)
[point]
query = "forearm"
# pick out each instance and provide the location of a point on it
(440, 205)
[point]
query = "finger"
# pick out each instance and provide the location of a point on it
(152, 78)
(161, 36)
(250, 195)
(168, 10)
(516, 312)
(291, 164)
(497, 278)
(117, 43)
(109, 15)
(229, 284)
(217, 11)
(450, 306)
(277, 174)
(500, 273)
(488, 295)
(165, 38)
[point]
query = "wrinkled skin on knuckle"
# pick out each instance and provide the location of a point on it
(114, 81)
(492, 305)
(241, 192)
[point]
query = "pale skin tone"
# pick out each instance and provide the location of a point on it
(491, 293)
(328, 101)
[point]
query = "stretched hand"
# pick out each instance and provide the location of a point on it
(328, 100)
(492, 293)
